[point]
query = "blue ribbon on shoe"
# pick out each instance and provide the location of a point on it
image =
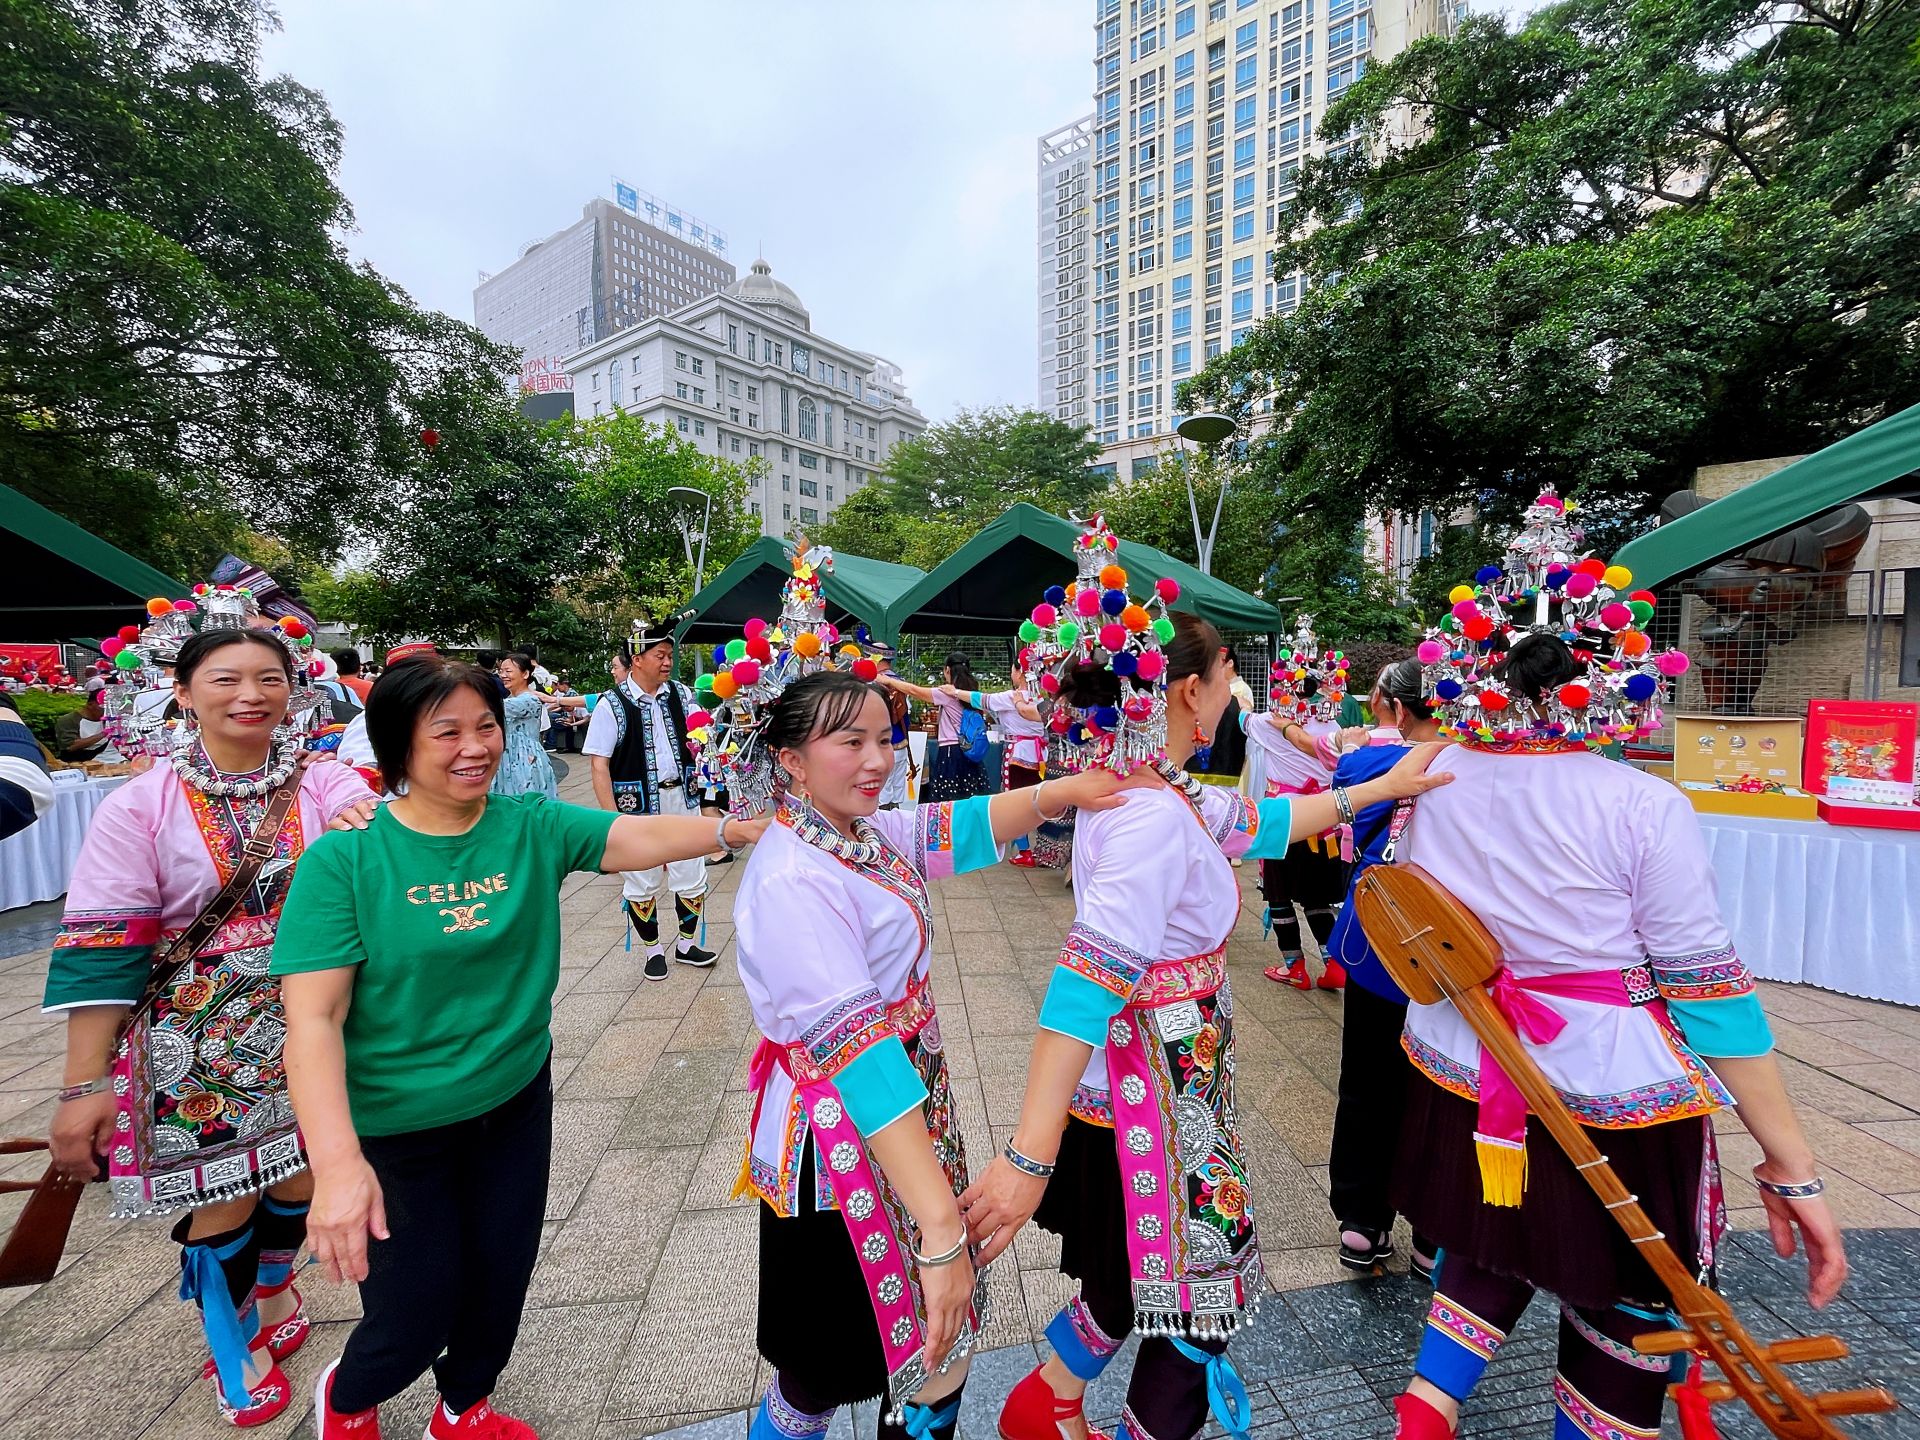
(1266, 922)
(1226, 1392)
(923, 1420)
(205, 1283)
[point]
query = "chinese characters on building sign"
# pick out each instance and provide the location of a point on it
(541, 373)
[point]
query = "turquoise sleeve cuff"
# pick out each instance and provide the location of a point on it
(1078, 1008)
(879, 1085)
(1270, 841)
(1733, 1028)
(96, 975)
(974, 847)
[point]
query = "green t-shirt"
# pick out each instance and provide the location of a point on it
(457, 942)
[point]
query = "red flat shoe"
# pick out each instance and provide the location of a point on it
(1333, 977)
(282, 1340)
(1034, 1412)
(1416, 1419)
(265, 1401)
(1294, 974)
(1024, 859)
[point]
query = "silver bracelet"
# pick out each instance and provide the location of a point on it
(1050, 819)
(1039, 1169)
(90, 1087)
(1343, 804)
(720, 834)
(1805, 1190)
(945, 1257)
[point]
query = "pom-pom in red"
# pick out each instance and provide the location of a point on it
(129, 633)
(429, 437)
(865, 669)
(1575, 697)
(1593, 565)
(759, 649)
(295, 629)
(1167, 589)
(699, 720)
(1478, 628)
(1492, 700)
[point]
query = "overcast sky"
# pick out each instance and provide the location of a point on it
(881, 152)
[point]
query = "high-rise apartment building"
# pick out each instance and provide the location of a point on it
(622, 261)
(742, 375)
(1065, 167)
(1203, 111)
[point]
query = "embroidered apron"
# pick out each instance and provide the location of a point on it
(877, 1222)
(1191, 1249)
(201, 1106)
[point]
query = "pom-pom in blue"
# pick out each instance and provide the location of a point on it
(1056, 595)
(1106, 717)
(1641, 687)
(719, 656)
(1113, 601)
(1487, 574)
(1557, 576)
(1448, 689)
(1125, 663)
(1077, 733)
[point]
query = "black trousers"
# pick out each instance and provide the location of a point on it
(1374, 1075)
(464, 1206)
(1315, 879)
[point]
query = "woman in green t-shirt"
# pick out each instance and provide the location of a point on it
(420, 957)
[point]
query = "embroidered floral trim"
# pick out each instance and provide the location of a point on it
(1097, 1341)
(1103, 960)
(790, 1420)
(844, 1032)
(1465, 1328)
(98, 929)
(1239, 816)
(1607, 1345)
(1696, 1092)
(1705, 975)
(935, 826)
(1591, 1421)
(1091, 1105)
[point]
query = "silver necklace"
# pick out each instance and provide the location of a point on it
(812, 827)
(1179, 780)
(210, 781)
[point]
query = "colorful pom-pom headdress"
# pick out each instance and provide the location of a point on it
(1095, 624)
(752, 671)
(1307, 683)
(139, 655)
(1546, 587)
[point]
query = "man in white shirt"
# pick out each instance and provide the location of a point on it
(637, 745)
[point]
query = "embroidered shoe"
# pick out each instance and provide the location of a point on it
(1034, 1412)
(656, 966)
(1293, 973)
(480, 1421)
(265, 1400)
(330, 1423)
(1333, 977)
(693, 955)
(1024, 859)
(1416, 1419)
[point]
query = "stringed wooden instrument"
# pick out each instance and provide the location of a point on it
(1437, 949)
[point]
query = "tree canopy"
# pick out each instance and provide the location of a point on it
(1622, 240)
(186, 349)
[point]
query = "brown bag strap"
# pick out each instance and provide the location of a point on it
(254, 855)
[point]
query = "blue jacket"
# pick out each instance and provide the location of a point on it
(1349, 944)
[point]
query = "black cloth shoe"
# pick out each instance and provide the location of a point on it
(656, 966)
(693, 955)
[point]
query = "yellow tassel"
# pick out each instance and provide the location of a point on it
(1313, 843)
(744, 1184)
(1503, 1170)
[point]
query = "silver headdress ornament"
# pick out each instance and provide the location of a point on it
(142, 654)
(751, 672)
(1306, 683)
(1545, 587)
(1095, 625)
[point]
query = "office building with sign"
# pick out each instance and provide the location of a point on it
(624, 260)
(741, 374)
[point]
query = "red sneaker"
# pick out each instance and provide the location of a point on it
(1416, 1419)
(1333, 977)
(480, 1421)
(331, 1423)
(1034, 1412)
(265, 1401)
(1293, 973)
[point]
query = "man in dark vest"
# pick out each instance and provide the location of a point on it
(637, 745)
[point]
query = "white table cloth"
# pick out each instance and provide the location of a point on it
(36, 863)
(1826, 905)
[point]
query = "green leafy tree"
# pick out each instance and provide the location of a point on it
(1625, 239)
(875, 522)
(185, 347)
(975, 465)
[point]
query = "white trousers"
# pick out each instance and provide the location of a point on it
(894, 792)
(682, 877)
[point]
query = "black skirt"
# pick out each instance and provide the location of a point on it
(816, 1317)
(1560, 1238)
(953, 776)
(1084, 1205)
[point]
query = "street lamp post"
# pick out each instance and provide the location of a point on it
(1206, 429)
(687, 497)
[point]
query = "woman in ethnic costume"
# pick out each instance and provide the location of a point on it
(1155, 1219)
(866, 1284)
(192, 1112)
(524, 766)
(1620, 979)
(1023, 750)
(950, 774)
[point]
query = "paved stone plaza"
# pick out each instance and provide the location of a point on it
(642, 1313)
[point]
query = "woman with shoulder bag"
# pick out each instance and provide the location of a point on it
(185, 1097)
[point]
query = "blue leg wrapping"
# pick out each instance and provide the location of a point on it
(1078, 1342)
(1226, 1392)
(204, 1281)
(924, 1421)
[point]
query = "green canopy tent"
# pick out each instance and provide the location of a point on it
(65, 584)
(1880, 461)
(991, 583)
(857, 590)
